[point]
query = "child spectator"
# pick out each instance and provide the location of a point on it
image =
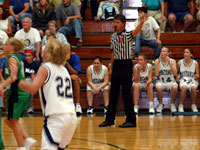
(147, 36)
(5, 23)
(30, 70)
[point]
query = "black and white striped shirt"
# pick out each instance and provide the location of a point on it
(121, 44)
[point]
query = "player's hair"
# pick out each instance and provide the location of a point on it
(143, 55)
(97, 57)
(191, 51)
(57, 52)
(18, 44)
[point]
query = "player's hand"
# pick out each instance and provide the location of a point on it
(13, 70)
(178, 78)
(145, 86)
(139, 67)
(74, 77)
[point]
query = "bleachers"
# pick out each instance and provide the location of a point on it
(96, 37)
(97, 43)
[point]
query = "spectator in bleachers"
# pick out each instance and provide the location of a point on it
(69, 14)
(1, 2)
(179, 10)
(30, 70)
(73, 65)
(3, 38)
(53, 30)
(165, 71)
(97, 78)
(197, 5)
(19, 9)
(156, 10)
(142, 76)
(87, 4)
(56, 3)
(5, 23)
(107, 10)
(147, 36)
(42, 14)
(31, 37)
(188, 76)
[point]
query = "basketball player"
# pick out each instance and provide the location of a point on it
(188, 76)
(143, 74)
(97, 76)
(56, 96)
(17, 99)
(165, 70)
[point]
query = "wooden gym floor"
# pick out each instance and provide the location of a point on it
(152, 133)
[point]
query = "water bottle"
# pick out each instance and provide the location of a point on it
(153, 64)
(18, 27)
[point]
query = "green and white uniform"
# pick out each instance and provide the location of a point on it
(17, 99)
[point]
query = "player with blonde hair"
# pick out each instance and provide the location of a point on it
(56, 96)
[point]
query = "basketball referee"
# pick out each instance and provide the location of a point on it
(122, 71)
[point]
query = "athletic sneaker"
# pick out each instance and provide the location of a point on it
(173, 108)
(90, 110)
(29, 142)
(105, 109)
(159, 108)
(30, 110)
(78, 109)
(180, 108)
(21, 148)
(194, 108)
(136, 109)
(151, 108)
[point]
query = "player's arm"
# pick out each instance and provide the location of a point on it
(31, 87)
(150, 76)
(173, 68)
(178, 69)
(89, 78)
(106, 78)
(196, 76)
(136, 75)
(157, 63)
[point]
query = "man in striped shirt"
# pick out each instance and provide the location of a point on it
(122, 54)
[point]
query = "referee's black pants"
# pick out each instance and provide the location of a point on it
(121, 76)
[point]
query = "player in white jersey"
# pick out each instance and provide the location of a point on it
(56, 96)
(97, 77)
(165, 71)
(142, 76)
(188, 76)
